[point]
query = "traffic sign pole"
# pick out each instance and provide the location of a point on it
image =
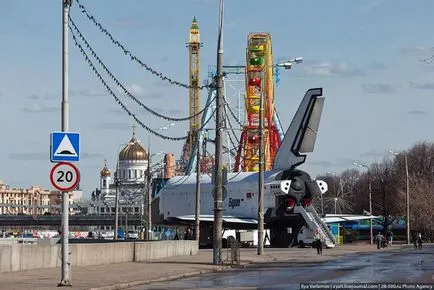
(65, 278)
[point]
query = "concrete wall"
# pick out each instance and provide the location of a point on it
(146, 251)
(8, 241)
(23, 257)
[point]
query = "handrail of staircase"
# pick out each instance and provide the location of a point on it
(329, 233)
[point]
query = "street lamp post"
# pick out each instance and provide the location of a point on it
(149, 195)
(407, 194)
(371, 233)
(149, 181)
(117, 182)
(334, 191)
(336, 201)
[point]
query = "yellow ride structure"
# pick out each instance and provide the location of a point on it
(259, 84)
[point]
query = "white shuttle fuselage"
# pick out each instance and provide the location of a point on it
(240, 197)
(284, 185)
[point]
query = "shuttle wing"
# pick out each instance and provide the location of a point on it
(347, 218)
(232, 222)
(301, 134)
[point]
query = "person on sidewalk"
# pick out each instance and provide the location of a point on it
(389, 237)
(318, 243)
(419, 241)
(379, 238)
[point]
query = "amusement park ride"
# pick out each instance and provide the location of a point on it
(194, 46)
(288, 190)
(259, 84)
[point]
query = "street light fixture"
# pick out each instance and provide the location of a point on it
(371, 233)
(289, 63)
(407, 194)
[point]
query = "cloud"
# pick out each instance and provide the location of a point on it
(46, 156)
(416, 50)
(379, 88)
(86, 155)
(114, 126)
(339, 163)
(424, 86)
(88, 93)
(321, 163)
(138, 91)
(72, 93)
(367, 7)
(162, 84)
(125, 23)
(330, 69)
(117, 111)
(377, 65)
(134, 89)
(1, 95)
(346, 162)
(33, 97)
(174, 111)
(417, 112)
(203, 1)
(29, 156)
(373, 153)
(154, 95)
(40, 108)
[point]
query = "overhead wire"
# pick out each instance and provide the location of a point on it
(80, 34)
(92, 66)
(128, 53)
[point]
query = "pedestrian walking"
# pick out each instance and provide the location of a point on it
(379, 238)
(419, 241)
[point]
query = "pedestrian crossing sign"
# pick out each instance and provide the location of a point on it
(65, 146)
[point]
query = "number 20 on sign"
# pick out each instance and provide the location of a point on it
(64, 176)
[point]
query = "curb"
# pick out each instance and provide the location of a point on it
(161, 279)
(244, 264)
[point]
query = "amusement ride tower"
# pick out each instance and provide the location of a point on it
(259, 84)
(194, 46)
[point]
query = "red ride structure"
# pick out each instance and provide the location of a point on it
(259, 84)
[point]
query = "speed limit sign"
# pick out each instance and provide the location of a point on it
(64, 176)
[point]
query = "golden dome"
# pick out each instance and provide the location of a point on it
(105, 171)
(134, 151)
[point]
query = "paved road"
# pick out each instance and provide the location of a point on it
(395, 266)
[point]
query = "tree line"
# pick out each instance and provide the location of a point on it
(348, 192)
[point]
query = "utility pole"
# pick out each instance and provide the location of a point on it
(65, 277)
(197, 213)
(115, 237)
(218, 189)
(407, 199)
(371, 233)
(149, 199)
(261, 177)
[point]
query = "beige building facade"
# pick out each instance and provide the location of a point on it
(31, 201)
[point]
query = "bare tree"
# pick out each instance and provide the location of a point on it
(385, 199)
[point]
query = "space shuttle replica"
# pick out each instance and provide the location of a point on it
(288, 191)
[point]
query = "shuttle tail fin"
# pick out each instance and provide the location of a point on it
(301, 134)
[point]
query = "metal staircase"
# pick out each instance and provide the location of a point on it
(315, 223)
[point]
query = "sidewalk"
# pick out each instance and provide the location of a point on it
(121, 276)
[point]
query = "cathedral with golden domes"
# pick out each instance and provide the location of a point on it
(129, 181)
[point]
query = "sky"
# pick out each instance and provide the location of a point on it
(366, 55)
